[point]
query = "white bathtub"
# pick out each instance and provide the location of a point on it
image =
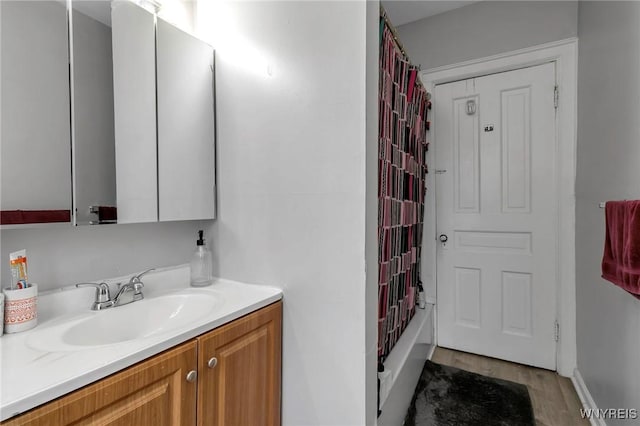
(404, 365)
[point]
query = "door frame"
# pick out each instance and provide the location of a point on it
(564, 53)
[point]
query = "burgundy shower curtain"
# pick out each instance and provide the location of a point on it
(403, 107)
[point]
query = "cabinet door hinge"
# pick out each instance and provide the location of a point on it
(556, 96)
(556, 333)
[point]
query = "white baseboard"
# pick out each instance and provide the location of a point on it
(585, 397)
(431, 351)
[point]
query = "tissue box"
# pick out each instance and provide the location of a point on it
(20, 309)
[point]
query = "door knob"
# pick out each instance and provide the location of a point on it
(192, 376)
(443, 238)
(212, 362)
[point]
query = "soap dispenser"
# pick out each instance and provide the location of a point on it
(201, 264)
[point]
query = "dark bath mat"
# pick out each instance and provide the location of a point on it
(448, 396)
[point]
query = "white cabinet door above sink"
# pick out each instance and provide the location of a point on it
(186, 154)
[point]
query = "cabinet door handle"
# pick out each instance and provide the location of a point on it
(192, 376)
(212, 362)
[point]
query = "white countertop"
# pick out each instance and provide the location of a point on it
(30, 376)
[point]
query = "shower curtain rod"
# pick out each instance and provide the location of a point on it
(396, 38)
(383, 13)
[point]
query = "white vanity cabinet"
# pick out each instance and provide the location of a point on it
(228, 376)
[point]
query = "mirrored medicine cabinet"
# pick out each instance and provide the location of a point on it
(107, 115)
(35, 151)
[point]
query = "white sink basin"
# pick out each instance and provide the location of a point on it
(138, 320)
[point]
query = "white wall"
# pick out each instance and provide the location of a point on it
(60, 255)
(487, 28)
(608, 319)
(181, 13)
(291, 94)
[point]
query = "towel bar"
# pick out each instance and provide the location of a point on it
(601, 205)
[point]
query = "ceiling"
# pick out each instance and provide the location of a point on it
(399, 11)
(404, 11)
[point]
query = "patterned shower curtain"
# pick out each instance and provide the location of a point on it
(403, 107)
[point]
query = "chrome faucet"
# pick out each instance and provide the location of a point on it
(103, 298)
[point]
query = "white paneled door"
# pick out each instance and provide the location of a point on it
(496, 202)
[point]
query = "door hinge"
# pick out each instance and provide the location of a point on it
(556, 333)
(556, 96)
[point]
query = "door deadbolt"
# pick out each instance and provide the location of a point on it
(471, 107)
(443, 238)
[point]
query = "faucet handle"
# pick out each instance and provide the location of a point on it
(137, 278)
(102, 290)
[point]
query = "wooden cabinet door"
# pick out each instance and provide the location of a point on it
(153, 392)
(243, 387)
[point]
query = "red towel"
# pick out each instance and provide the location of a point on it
(16, 217)
(621, 259)
(107, 213)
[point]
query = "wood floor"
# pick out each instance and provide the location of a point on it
(554, 400)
